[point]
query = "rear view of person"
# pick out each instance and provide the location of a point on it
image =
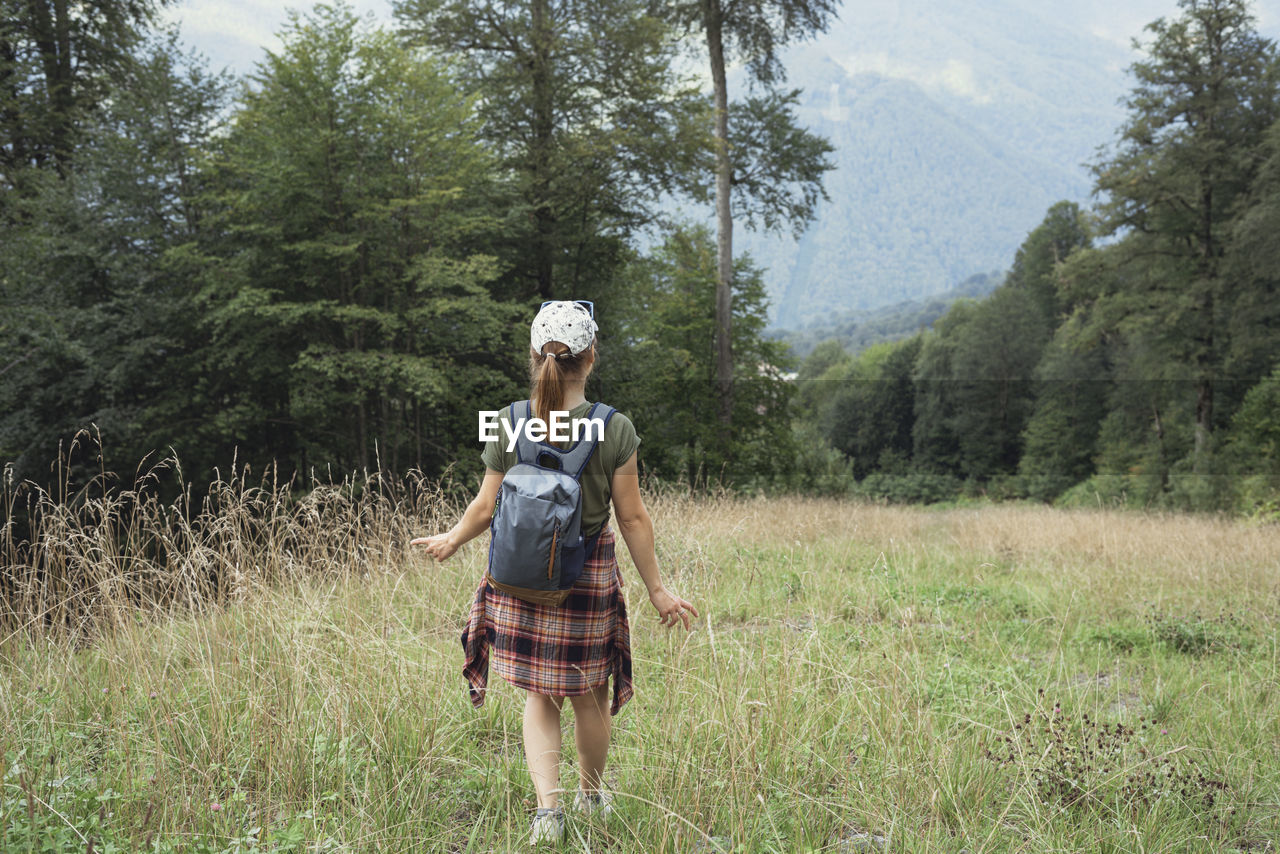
(571, 649)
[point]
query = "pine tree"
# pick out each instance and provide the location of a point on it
(1186, 156)
(349, 319)
(99, 320)
(57, 60)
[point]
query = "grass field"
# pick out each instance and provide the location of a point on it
(996, 678)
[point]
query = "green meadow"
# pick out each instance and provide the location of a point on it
(998, 678)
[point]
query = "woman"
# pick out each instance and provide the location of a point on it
(569, 650)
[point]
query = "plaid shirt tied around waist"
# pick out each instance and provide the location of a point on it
(561, 651)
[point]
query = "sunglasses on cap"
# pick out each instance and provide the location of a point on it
(585, 303)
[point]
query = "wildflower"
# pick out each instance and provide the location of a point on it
(215, 806)
(1164, 732)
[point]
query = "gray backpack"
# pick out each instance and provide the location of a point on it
(536, 547)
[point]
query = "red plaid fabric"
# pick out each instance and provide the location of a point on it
(562, 650)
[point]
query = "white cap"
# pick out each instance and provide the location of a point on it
(568, 322)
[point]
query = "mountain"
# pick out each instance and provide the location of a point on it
(922, 199)
(956, 126)
(860, 328)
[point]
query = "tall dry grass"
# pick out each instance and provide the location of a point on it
(287, 659)
(75, 564)
(1106, 551)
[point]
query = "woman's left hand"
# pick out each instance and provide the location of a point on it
(672, 610)
(439, 546)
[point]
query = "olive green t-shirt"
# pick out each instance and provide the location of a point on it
(619, 443)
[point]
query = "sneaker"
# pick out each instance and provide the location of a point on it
(548, 826)
(599, 802)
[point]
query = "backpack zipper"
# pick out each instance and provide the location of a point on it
(551, 561)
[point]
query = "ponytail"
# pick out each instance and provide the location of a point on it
(548, 373)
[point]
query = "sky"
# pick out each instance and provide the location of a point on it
(234, 33)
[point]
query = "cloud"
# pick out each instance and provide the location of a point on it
(834, 112)
(958, 77)
(253, 22)
(235, 33)
(954, 76)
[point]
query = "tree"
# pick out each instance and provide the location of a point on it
(871, 414)
(56, 62)
(973, 385)
(588, 117)
(1255, 429)
(668, 376)
(1070, 384)
(99, 319)
(755, 31)
(817, 376)
(1252, 263)
(992, 365)
(1073, 384)
(777, 165)
(1185, 157)
(1062, 232)
(350, 323)
(935, 445)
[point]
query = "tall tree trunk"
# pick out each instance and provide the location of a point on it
(540, 149)
(62, 95)
(713, 21)
(11, 115)
(1163, 462)
(362, 430)
(52, 31)
(1205, 357)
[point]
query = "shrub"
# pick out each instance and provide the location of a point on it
(915, 488)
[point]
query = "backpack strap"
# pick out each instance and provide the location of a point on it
(575, 459)
(526, 451)
(572, 461)
(520, 440)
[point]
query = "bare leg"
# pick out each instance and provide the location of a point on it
(591, 727)
(542, 745)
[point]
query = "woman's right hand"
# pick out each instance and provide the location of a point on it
(439, 546)
(671, 608)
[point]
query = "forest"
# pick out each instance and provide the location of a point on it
(329, 267)
(1132, 353)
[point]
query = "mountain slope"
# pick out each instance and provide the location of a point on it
(922, 199)
(956, 126)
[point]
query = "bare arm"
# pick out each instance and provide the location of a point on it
(474, 521)
(637, 532)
